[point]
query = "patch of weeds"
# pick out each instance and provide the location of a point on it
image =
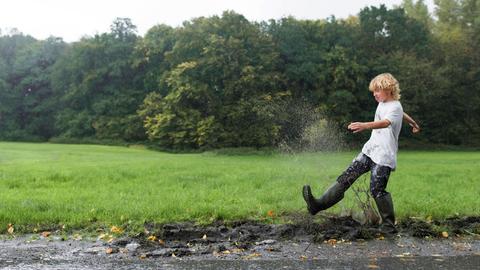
(368, 213)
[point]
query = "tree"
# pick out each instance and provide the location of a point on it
(222, 87)
(384, 31)
(26, 99)
(418, 10)
(99, 87)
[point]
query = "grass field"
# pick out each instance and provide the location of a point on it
(45, 185)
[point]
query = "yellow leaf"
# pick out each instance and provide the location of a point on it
(46, 234)
(270, 213)
(253, 255)
(143, 256)
(115, 229)
(332, 241)
(303, 257)
(10, 229)
(429, 219)
(445, 234)
(152, 238)
(226, 252)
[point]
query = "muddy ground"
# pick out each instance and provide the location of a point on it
(331, 238)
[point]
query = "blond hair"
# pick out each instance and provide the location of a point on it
(386, 82)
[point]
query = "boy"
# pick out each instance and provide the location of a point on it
(379, 154)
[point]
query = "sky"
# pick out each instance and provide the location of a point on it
(73, 19)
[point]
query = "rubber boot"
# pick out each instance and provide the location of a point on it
(333, 195)
(385, 208)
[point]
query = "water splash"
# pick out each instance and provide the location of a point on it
(308, 129)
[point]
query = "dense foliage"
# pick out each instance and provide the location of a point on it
(224, 81)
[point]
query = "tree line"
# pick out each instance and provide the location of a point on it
(224, 81)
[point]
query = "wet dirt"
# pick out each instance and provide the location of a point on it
(330, 242)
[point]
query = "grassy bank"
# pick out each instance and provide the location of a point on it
(77, 185)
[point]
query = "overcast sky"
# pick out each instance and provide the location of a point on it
(72, 19)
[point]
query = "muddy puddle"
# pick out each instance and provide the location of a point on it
(328, 243)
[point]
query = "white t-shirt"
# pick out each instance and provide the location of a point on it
(382, 146)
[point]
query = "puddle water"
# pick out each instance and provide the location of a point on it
(453, 262)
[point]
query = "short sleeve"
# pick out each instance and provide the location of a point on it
(395, 114)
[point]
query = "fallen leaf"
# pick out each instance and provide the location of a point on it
(109, 250)
(303, 257)
(46, 234)
(10, 229)
(445, 234)
(173, 255)
(161, 242)
(115, 229)
(226, 252)
(271, 214)
(332, 241)
(152, 238)
(143, 256)
(381, 237)
(373, 266)
(204, 237)
(253, 255)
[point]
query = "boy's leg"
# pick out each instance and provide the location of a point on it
(360, 165)
(383, 199)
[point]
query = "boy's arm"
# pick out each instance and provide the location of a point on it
(361, 126)
(411, 122)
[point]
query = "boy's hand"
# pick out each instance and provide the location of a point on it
(415, 127)
(357, 127)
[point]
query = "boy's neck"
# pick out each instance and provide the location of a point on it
(388, 99)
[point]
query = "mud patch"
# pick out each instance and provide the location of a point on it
(453, 225)
(249, 237)
(464, 225)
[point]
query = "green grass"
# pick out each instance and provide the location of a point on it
(80, 185)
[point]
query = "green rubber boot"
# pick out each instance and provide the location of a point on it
(333, 195)
(385, 208)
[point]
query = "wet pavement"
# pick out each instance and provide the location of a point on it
(458, 262)
(395, 253)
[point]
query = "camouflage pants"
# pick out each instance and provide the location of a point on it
(362, 164)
